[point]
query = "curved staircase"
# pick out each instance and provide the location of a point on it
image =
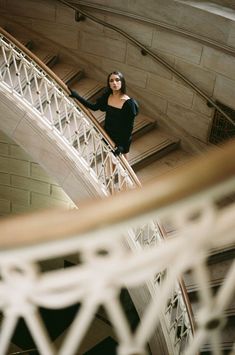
(153, 153)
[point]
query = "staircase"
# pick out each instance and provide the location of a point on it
(152, 146)
(153, 152)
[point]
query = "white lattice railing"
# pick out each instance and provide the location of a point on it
(48, 99)
(33, 87)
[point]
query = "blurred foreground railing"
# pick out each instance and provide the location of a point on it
(188, 200)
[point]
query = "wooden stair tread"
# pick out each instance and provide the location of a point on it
(46, 57)
(142, 125)
(149, 141)
(150, 147)
(66, 72)
(26, 42)
(87, 87)
(164, 165)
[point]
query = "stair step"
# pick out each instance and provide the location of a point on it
(66, 72)
(218, 265)
(142, 125)
(87, 87)
(153, 145)
(173, 160)
(26, 42)
(46, 57)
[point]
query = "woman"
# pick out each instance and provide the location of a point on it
(120, 111)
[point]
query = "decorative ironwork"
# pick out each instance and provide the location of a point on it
(222, 129)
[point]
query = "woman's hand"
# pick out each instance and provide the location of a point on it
(118, 150)
(73, 93)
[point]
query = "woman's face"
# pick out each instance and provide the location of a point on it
(115, 83)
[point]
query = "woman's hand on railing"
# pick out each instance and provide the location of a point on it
(73, 93)
(118, 150)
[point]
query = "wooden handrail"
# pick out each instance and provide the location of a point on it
(62, 85)
(217, 166)
(146, 51)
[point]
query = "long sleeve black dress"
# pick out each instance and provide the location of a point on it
(119, 122)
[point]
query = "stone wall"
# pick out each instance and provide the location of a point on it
(24, 185)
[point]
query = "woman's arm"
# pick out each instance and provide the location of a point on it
(98, 105)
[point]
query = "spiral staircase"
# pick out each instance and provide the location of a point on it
(44, 109)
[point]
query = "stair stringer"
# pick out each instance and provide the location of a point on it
(48, 149)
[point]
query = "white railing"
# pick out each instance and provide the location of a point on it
(105, 265)
(48, 100)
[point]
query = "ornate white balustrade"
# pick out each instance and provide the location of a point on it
(44, 96)
(105, 263)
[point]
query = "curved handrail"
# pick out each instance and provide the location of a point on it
(165, 26)
(62, 85)
(215, 167)
(146, 50)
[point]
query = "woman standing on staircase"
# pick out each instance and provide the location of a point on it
(120, 111)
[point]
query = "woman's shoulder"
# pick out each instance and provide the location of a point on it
(132, 105)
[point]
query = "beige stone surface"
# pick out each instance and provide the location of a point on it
(37, 172)
(14, 166)
(225, 91)
(17, 152)
(103, 46)
(204, 23)
(199, 76)
(41, 148)
(136, 59)
(141, 32)
(4, 148)
(42, 201)
(42, 9)
(219, 62)
(200, 105)
(30, 184)
(58, 193)
(16, 195)
(63, 35)
(177, 45)
(134, 76)
(161, 10)
(231, 37)
(191, 122)
(4, 179)
(171, 90)
(10, 115)
(91, 26)
(151, 103)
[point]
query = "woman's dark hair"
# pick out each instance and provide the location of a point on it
(123, 81)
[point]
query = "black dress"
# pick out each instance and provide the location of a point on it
(119, 122)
